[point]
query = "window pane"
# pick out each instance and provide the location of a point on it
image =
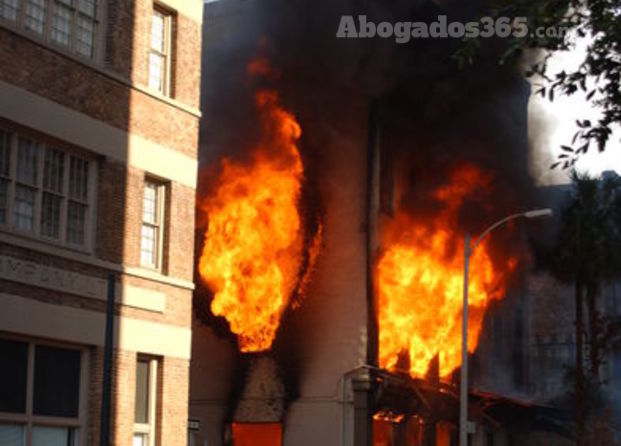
(76, 222)
(78, 179)
(85, 36)
(142, 392)
(23, 208)
(156, 71)
(61, 24)
(9, 9)
(5, 153)
(35, 15)
(88, 7)
(149, 207)
(53, 170)
(56, 382)
(54, 436)
(157, 32)
(13, 375)
(4, 187)
(27, 156)
(141, 440)
(12, 435)
(50, 215)
(147, 246)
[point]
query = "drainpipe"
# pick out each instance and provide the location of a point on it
(104, 431)
(349, 376)
(372, 199)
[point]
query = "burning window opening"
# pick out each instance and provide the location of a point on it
(257, 434)
(419, 279)
(257, 252)
(418, 412)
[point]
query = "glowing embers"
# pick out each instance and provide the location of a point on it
(419, 281)
(397, 430)
(257, 434)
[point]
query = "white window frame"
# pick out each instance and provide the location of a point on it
(167, 16)
(29, 420)
(46, 37)
(149, 428)
(159, 225)
(90, 203)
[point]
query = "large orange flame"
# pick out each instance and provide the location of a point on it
(420, 284)
(252, 255)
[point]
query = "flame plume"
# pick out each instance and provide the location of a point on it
(254, 245)
(419, 280)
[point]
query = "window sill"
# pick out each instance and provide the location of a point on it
(59, 250)
(28, 237)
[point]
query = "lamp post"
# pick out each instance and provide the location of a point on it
(468, 250)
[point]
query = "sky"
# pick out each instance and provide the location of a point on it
(552, 124)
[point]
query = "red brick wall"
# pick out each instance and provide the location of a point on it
(171, 399)
(121, 191)
(109, 97)
(101, 97)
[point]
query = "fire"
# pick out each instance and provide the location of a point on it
(253, 251)
(257, 434)
(420, 284)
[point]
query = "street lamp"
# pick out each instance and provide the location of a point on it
(468, 250)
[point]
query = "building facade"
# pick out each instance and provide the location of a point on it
(98, 159)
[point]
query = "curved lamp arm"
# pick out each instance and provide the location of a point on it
(536, 213)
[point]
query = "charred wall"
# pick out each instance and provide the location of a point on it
(431, 117)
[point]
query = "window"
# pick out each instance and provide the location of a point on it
(145, 402)
(69, 24)
(159, 53)
(152, 224)
(44, 191)
(40, 390)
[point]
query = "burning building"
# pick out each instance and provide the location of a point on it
(330, 231)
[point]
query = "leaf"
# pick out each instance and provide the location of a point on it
(567, 149)
(555, 165)
(590, 95)
(562, 155)
(551, 95)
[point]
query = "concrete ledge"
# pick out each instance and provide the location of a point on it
(33, 318)
(51, 118)
(69, 254)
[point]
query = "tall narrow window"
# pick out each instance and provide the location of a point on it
(34, 19)
(52, 193)
(159, 54)
(5, 171)
(26, 185)
(86, 25)
(78, 201)
(62, 16)
(152, 216)
(144, 402)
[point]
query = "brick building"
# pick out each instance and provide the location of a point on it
(98, 157)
